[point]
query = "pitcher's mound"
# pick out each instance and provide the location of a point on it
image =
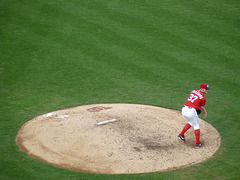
(115, 139)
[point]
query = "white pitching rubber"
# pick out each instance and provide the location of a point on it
(107, 121)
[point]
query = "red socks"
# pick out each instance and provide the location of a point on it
(197, 134)
(186, 127)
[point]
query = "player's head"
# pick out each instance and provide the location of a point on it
(204, 88)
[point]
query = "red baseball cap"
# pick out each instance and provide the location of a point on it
(204, 86)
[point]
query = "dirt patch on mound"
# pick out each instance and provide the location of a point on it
(115, 139)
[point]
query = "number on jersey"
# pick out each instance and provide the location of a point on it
(192, 98)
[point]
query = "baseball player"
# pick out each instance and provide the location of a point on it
(191, 109)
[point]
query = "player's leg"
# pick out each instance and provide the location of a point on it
(186, 127)
(196, 127)
(187, 114)
(197, 134)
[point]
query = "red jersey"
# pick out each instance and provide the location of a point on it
(196, 100)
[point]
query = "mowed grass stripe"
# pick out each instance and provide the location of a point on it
(93, 47)
(176, 53)
(146, 39)
(155, 54)
(176, 22)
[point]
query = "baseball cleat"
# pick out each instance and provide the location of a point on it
(181, 138)
(198, 145)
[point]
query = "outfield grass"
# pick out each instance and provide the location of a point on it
(57, 54)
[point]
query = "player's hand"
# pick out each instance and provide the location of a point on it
(205, 115)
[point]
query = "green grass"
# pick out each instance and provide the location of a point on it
(57, 54)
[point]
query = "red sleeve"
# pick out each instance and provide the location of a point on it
(203, 102)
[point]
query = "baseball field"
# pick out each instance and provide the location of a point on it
(61, 54)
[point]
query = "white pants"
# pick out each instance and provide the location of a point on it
(191, 116)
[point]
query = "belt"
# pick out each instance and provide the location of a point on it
(188, 107)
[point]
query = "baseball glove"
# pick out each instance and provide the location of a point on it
(198, 112)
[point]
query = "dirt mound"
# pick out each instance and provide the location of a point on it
(115, 139)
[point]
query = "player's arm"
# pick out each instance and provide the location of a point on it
(204, 111)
